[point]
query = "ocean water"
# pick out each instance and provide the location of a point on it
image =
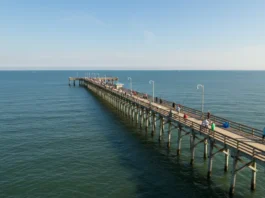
(61, 141)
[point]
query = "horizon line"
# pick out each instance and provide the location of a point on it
(130, 69)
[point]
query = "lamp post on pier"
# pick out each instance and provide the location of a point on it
(130, 79)
(198, 87)
(150, 82)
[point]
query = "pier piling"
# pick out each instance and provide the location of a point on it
(169, 133)
(226, 160)
(179, 140)
(205, 149)
(192, 147)
(253, 178)
(161, 128)
(234, 171)
(210, 160)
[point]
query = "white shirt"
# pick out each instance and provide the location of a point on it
(205, 123)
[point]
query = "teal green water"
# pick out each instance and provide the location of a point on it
(61, 141)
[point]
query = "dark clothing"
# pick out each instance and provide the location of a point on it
(208, 115)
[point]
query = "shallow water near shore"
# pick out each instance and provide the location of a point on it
(61, 141)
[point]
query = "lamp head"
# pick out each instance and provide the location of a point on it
(199, 85)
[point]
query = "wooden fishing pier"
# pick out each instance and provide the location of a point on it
(242, 143)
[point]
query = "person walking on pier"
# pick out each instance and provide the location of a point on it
(208, 115)
(205, 124)
(178, 109)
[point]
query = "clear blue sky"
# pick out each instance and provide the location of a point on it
(132, 34)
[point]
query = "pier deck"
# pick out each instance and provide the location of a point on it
(244, 142)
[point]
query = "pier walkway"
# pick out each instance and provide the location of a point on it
(242, 143)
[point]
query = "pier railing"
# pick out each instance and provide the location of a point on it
(235, 143)
(235, 127)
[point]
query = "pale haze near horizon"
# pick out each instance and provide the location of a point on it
(174, 35)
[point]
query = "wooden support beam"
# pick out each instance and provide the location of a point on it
(253, 178)
(244, 166)
(200, 141)
(137, 115)
(210, 161)
(142, 118)
(122, 107)
(157, 119)
(146, 119)
(174, 127)
(133, 114)
(233, 178)
(205, 148)
(149, 117)
(226, 160)
(169, 135)
(221, 150)
(186, 133)
(154, 122)
(127, 110)
(167, 122)
(192, 147)
(161, 128)
(179, 141)
(191, 139)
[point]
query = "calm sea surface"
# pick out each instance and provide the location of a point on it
(61, 141)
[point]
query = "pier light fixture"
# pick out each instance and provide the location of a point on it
(150, 82)
(198, 87)
(130, 79)
(105, 79)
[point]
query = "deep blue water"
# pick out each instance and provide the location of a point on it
(61, 141)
